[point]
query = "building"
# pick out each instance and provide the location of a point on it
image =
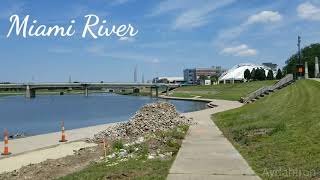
(192, 76)
(189, 76)
(237, 72)
(169, 80)
(271, 65)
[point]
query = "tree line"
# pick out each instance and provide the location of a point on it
(308, 55)
(259, 74)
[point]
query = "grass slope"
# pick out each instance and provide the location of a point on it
(279, 135)
(221, 91)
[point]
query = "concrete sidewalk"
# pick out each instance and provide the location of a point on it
(206, 153)
(23, 145)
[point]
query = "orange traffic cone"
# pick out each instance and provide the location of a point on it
(63, 136)
(6, 141)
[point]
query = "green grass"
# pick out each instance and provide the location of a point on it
(221, 91)
(131, 169)
(279, 135)
(140, 167)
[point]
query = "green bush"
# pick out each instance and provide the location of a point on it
(118, 144)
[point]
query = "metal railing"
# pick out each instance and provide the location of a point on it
(265, 90)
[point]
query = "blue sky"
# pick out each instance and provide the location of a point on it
(173, 35)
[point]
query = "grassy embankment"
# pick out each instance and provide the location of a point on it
(130, 93)
(279, 135)
(221, 91)
(139, 166)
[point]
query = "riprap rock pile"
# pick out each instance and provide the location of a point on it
(150, 118)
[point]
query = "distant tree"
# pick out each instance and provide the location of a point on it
(262, 74)
(203, 78)
(247, 74)
(253, 74)
(258, 74)
(214, 78)
(279, 74)
(270, 75)
(308, 54)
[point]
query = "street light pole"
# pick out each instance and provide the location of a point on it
(299, 63)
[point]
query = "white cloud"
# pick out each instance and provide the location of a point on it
(264, 17)
(155, 60)
(190, 13)
(172, 5)
(99, 50)
(241, 50)
(15, 8)
(119, 2)
(308, 11)
(59, 50)
(127, 39)
(96, 50)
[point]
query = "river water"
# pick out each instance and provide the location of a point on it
(44, 113)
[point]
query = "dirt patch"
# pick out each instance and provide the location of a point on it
(52, 169)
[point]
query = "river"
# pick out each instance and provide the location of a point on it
(44, 113)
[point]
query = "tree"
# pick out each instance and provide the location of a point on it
(262, 74)
(259, 74)
(270, 75)
(247, 74)
(253, 74)
(279, 74)
(214, 78)
(202, 77)
(308, 54)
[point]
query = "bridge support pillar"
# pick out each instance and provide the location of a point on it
(136, 90)
(86, 91)
(151, 92)
(316, 68)
(167, 91)
(30, 93)
(157, 92)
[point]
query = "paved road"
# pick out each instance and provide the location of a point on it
(207, 154)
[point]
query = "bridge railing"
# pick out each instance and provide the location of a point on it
(265, 90)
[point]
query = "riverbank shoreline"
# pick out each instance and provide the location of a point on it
(39, 141)
(36, 149)
(42, 141)
(39, 146)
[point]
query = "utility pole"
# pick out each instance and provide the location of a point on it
(299, 63)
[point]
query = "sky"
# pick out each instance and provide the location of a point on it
(172, 35)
